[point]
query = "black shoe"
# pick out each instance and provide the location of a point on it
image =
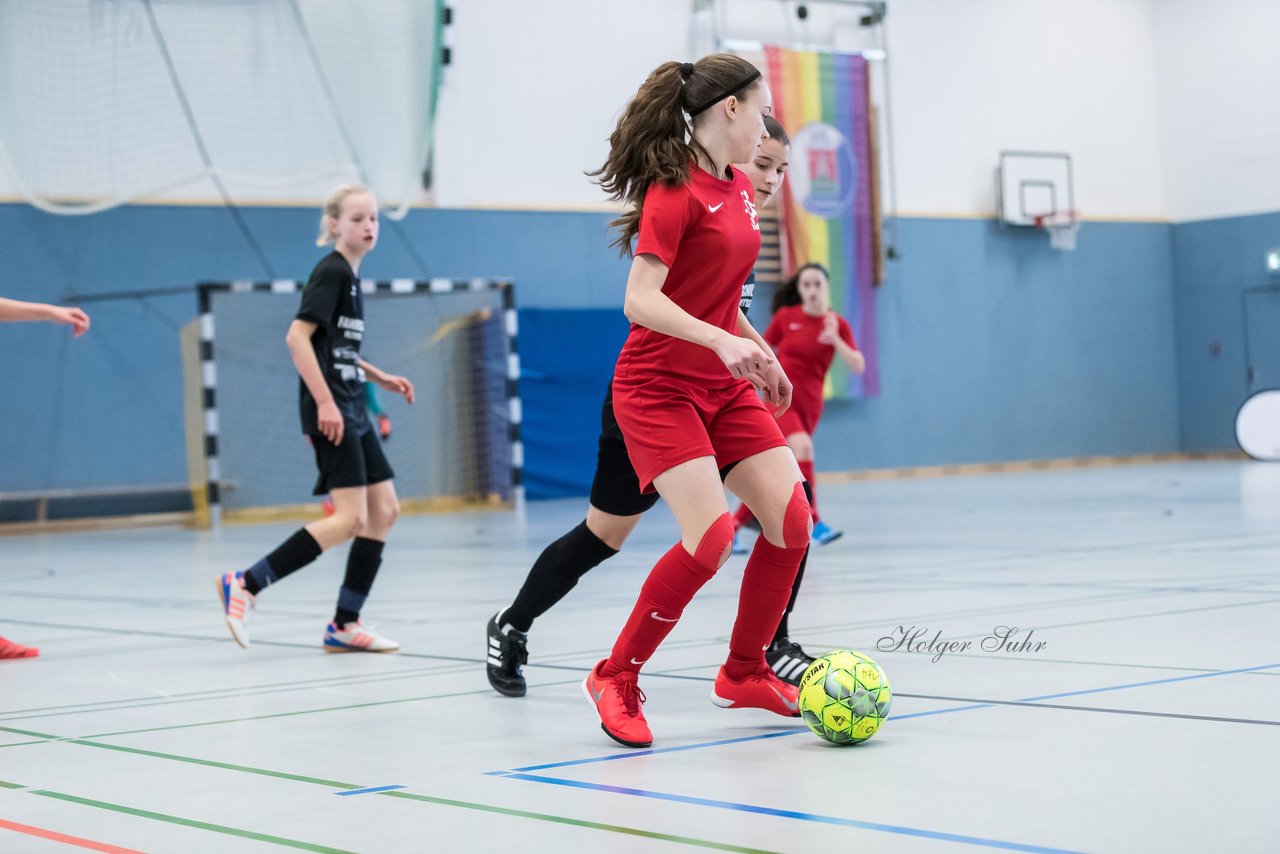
(505, 661)
(788, 660)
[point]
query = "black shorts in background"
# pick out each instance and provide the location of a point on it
(616, 488)
(358, 461)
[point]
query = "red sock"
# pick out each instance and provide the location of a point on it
(806, 469)
(742, 516)
(671, 584)
(766, 589)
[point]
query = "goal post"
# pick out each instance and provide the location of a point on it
(457, 447)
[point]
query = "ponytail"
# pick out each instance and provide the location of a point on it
(653, 141)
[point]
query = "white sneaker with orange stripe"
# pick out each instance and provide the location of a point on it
(236, 605)
(354, 637)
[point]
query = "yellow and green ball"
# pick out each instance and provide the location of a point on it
(844, 697)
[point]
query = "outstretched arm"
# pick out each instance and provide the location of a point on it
(17, 310)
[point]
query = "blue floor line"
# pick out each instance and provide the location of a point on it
(798, 816)
(1152, 682)
(368, 791)
(655, 751)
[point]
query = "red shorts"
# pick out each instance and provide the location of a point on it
(666, 422)
(800, 419)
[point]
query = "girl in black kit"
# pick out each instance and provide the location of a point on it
(324, 341)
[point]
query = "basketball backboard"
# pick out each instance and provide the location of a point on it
(1031, 184)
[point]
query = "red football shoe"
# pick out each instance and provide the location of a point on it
(617, 701)
(9, 649)
(761, 690)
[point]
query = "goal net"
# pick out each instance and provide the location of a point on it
(103, 102)
(457, 446)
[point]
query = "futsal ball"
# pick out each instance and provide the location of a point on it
(844, 697)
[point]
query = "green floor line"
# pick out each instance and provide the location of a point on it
(164, 701)
(319, 781)
(187, 822)
(476, 693)
(332, 784)
(592, 825)
(325, 682)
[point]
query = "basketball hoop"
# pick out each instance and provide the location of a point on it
(1062, 227)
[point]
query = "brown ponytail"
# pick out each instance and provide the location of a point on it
(653, 141)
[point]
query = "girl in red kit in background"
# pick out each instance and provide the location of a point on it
(806, 336)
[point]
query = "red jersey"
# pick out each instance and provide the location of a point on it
(793, 335)
(707, 234)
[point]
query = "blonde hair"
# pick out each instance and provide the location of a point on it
(333, 209)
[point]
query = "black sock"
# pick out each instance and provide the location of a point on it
(292, 555)
(555, 573)
(362, 567)
(783, 631)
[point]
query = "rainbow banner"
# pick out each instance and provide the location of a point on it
(830, 210)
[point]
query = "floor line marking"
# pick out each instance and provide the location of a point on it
(187, 822)
(975, 704)
(800, 816)
(66, 839)
(370, 790)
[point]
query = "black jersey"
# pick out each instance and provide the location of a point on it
(748, 291)
(332, 301)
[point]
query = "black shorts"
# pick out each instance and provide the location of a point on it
(616, 487)
(358, 461)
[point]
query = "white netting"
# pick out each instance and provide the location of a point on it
(453, 443)
(108, 101)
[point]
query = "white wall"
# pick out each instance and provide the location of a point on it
(973, 78)
(534, 91)
(522, 117)
(1164, 105)
(1219, 70)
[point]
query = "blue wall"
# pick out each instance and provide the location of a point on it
(1215, 261)
(106, 410)
(993, 346)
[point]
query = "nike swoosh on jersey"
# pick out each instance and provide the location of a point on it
(654, 614)
(716, 208)
(642, 661)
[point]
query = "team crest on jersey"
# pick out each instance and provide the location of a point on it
(751, 210)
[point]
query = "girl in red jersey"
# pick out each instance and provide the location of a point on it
(684, 388)
(806, 335)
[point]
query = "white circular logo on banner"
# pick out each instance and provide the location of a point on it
(823, 171)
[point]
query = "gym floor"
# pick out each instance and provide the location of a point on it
(1134, 708)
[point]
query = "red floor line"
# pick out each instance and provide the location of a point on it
(69, 840)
